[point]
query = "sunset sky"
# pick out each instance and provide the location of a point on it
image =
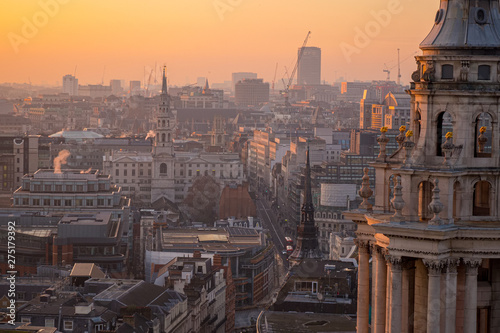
(210, 38)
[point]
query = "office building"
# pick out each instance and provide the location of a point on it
(309, 69)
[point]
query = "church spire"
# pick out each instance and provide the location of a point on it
(164, 84)
(307, 239)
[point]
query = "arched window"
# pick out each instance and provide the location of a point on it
(163, 123)
(417, 123)
(483, 72)
(168, 137)
(219, 138)
(447, 72)
(483, 135)
(443, 126)
(163, 168)
(424, 199)
(481, 203)
(163, 137)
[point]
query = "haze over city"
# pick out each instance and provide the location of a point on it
(212, 38)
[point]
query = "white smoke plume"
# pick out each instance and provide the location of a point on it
(62, 158)
(151, 134)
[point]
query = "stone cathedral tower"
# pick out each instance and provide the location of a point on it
(163, 181)
(434, 231)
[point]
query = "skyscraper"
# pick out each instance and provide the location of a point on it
(70, 85)
(309, 69)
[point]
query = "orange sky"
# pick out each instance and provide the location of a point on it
(210, 38)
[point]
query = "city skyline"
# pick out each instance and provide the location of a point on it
(46, 39)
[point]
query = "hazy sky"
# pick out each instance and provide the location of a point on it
(42, 40)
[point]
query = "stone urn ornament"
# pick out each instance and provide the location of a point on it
(436, 206)
(382, 141)
(408, 146)
(447, 148)
(401, 137)
(481, 140)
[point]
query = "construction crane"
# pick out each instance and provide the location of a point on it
(149, 82)
(388, 69)
(290, 81)
(274, 79)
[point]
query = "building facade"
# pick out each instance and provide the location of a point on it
(309, 69)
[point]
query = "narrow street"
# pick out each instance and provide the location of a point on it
(269, 221)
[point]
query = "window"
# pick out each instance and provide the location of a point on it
(67, 202)
(68, 325)
(46, 202)
(443, 126)
(133, 172)
(483, 135)
(424, 199)
(90, 187)
(447, 72)
(89, 202)
(49, 322)
(36, 202)
(58, 188)
(47, 188)
(163, 168)
(100, 202)
(69, 188)
(117, 172)
(190, 173)
(79, 188)
(483, 72)
(57, 202)
(125, 172)
(25, 319)
(481, 204)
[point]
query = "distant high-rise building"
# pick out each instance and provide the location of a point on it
(135, 87)
(251, 92)
(116, 87)
(70, 85)
(237, 77)
(309, 69)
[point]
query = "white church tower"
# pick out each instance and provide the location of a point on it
(163, 182)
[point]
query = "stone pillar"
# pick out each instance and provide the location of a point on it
(380, 292)
(363, 287)
(434, 295)
(470, 311)
(451, 296)
(373, 252)
(394, 324)
(388, 299)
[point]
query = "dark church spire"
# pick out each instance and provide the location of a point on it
(307, 239)
(164, 84)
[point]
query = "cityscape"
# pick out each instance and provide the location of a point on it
(181, 167)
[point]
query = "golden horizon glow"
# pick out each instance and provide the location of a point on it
(206, 38)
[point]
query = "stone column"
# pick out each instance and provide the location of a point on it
(380, 292)
(470, 311)
(363, 287)
(394, 263)
(451, 295)
(434, 295)
(373, 252)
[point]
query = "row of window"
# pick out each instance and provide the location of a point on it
(67, 188)
(62, 202)
(483, 73)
